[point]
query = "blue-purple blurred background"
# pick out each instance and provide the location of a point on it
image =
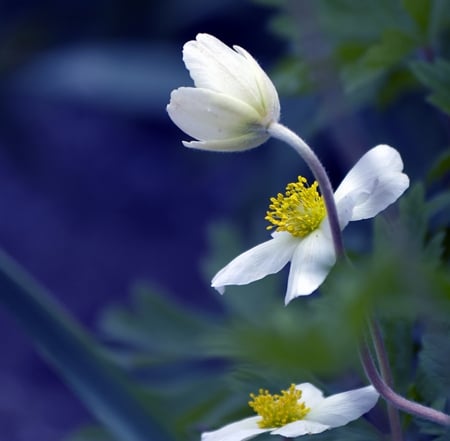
(96, 190)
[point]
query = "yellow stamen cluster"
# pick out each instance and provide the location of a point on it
(299, 211)
(278, 410)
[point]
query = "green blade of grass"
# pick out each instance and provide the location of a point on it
(104, 389)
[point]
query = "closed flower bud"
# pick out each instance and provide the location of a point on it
(233, 101)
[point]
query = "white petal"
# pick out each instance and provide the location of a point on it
(266, 258)
(375, 182)
(345, 209)
(244, 142)
(337, 410)
(269, 96)
(311, 395)
(214, 65)
(238, 431)
(385, 192)
(310, 265)
(301, 427)
(207, 115)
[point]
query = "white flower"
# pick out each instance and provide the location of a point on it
(233, 102)
(303, 236)
(300, 410)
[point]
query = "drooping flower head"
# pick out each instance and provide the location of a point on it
(302, 232)
(299, 410)
(233, 102)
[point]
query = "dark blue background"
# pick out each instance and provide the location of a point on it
(96, 190)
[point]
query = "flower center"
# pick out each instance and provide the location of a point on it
(299, 211)
(278, 410)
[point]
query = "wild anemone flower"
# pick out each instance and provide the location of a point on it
(233, 102)
(302, 232)
(299, 410)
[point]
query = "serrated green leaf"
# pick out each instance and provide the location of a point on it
(398, 338)
(377, 60)
(348, 20)
(439, 168)
(394, 45)
(435, 77)
(434, 248)
(291, 76)
(413, 213)
(420, 11)
(350, 51)
(158, 325)
(258, 298)
(435, 356)
(284, 26)
(439, 20)
(358, 77)
(438, 203)
(397, 82)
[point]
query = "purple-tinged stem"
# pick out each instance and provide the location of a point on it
(386, 374)
(401, 403)
(284, 134)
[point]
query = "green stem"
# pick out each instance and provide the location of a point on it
(102, 387)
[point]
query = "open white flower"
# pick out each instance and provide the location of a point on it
(303, 235)
(299, 410)
(233, 102)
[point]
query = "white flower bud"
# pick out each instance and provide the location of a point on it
(233, 102)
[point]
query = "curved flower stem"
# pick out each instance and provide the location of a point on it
(386, 374)
(304, 150)
(395, 399)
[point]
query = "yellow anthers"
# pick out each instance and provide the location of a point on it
(278, 410)
(299, 211)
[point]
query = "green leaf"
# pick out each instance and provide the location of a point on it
(398, 337)
(434, 248)
(259, 299)
(420, 11)
(440, 167)
(291, 76)
(156, 325)
(435, 356)
(358, 77)
(397, 82)
(439, 21)
(375, 62)
(349, 20)
(394, 45)
(102, 387)
(438, 203)
(435, 77)
(90, 433)
(413, 214)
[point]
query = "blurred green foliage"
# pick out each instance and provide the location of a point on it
(366, 51)
(196, 369)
